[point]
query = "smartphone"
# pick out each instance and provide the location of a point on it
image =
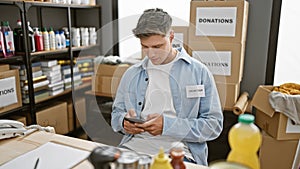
(134, 120)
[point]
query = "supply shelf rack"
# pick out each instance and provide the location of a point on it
(27, 57)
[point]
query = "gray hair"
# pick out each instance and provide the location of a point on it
(153, 22)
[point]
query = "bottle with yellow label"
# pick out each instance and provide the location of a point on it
(245, 140)
(161, 161)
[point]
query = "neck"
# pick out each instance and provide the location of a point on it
(172, 55)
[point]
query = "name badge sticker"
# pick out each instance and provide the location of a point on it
(195, 91)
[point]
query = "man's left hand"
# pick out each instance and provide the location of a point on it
(153, 125)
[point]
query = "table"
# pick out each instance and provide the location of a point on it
(14, 147)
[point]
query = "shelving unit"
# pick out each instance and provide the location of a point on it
(38, 14)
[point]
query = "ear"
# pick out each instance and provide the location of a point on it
(171, 37)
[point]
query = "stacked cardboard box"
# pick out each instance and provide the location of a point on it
(10, 90)
(107, 77)
(55, 116)
(280, 135)
(217, 37)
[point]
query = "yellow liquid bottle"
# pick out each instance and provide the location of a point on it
(161, 161)
(245, 140)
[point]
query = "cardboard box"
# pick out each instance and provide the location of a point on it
(10, 91)
(70, 116)
(55, 116)
(218, 21)
(105, 84)
(21, 119)
(224, 60)
(80, 111)
(110, 70)
(277, 154)
(4, 67)
(274, 123)
(180, 37)
(228, 94)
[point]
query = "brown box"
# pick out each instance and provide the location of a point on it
(10, 96)
(80, 110)
(110, 70)
(228, 94)
(274, 123)
(70, 116)
(277, 154)
(224, 60)
(55, 116)
(181, 37)
(105, 84)
(21, 119)
(218, 21)
(4, 67)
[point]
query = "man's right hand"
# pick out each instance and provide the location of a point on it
(130, 127)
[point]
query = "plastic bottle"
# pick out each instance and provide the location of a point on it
(57, 40)
(63, 39)
(31, 38)
(2, 46)
(19, 37)
(38, 39)
(93, 35)
(67, 35)
(245, 140)
(161, 161)
(52, 39)
(84, 35)
(46, 39)
(8, 37)
(177, 155)
(76, 37)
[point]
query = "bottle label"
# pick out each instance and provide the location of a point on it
(9, 38)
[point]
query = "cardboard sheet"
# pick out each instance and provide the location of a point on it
(49, 155)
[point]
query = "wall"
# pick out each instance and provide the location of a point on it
(257, 45)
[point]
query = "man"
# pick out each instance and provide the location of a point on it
(174, 93)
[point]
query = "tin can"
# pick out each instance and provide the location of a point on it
(144, 161)
(128, 160)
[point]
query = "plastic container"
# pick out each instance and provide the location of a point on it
(245, 139)
(161, 161)
(19, 37)
(46, 39)
(2, 46)
(177, 155)
(31, 38)
(57, 40)
(52, 39)
(8, 37)
(63, 39)
(38, 39)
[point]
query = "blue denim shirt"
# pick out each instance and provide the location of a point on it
(198, 119)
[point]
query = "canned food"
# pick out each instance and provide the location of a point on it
(128, 160)
(145, 161)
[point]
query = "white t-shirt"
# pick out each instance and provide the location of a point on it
(158, 100)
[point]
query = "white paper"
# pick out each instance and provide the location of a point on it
(8, 91)
(50, 155)
(218, 62)
(292, 128)
(195, 91)
(178, 40)
(216, 21)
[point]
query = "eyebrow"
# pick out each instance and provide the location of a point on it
(160, 44)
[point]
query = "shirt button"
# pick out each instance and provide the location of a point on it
(140, 103)
(146, 79)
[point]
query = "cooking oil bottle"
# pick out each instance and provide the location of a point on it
(245, 140)
(161, 161)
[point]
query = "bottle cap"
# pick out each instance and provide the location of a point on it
(246, 118)
(44, 29)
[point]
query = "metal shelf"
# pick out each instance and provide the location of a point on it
(57, 5)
